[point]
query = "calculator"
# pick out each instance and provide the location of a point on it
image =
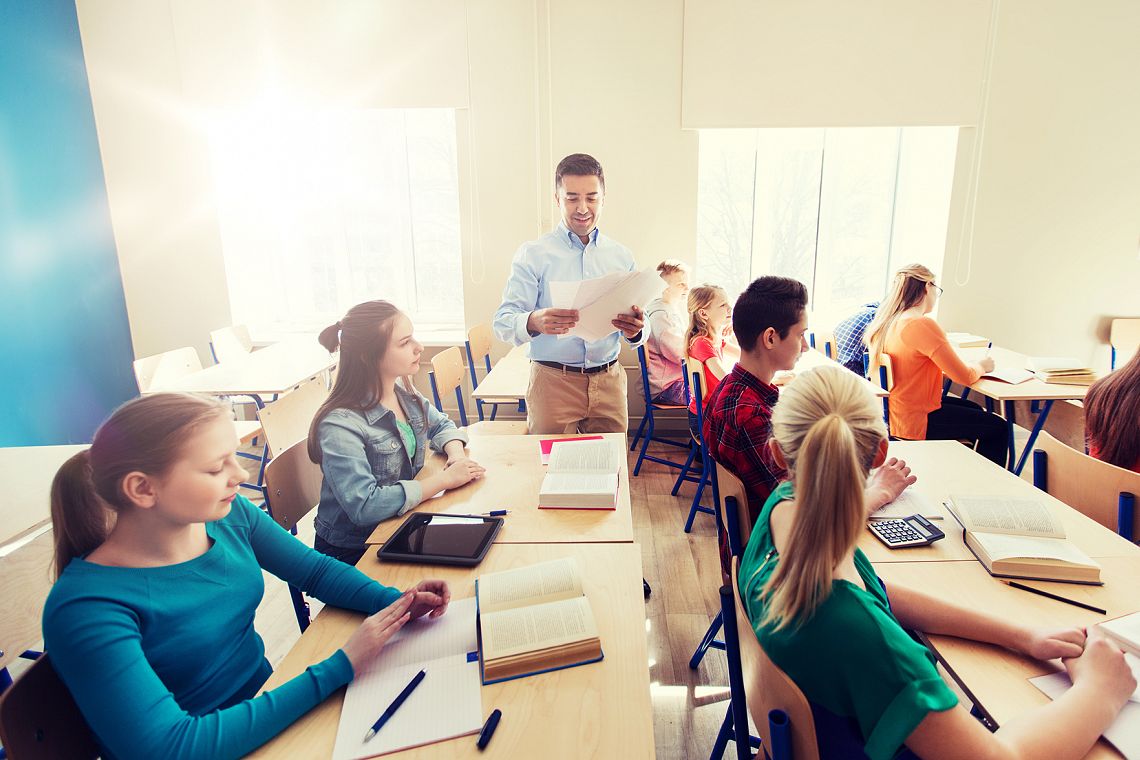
(901, 532)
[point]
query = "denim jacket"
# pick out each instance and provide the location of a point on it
(368, 474)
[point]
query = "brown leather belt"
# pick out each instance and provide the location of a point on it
(577, 370)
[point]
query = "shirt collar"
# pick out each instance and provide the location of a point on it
(377, 412)
(769, 393)
(574, 240)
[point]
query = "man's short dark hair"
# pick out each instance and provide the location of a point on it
(578, 165)
(770, 301)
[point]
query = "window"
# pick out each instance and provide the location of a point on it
(321, 210)
(838, 209)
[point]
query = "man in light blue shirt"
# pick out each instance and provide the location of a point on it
(574, 386)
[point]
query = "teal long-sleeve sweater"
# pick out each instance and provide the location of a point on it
(164, 661)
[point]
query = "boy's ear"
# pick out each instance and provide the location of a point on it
(777, 454)
(769, 337)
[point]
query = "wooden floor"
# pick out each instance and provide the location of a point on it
(683, 569)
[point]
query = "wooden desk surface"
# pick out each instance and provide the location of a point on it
(947, 467)
(277, 368)
(815, 358)
(599, 710)
(514, 474)
(1030, 390)
(27, 579)
(996, 677)
(27, 472)
(509, 377)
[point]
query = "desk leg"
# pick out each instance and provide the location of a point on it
(1010, 417)
(1032, 436)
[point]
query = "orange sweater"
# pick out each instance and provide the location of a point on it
(920, 355)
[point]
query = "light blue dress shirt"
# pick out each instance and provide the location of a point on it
(560, 256)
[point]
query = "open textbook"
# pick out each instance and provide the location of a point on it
(535, 619)
(1019, 538)
(1124, 732)
(582, 475)
(601, 299)
(445, 705)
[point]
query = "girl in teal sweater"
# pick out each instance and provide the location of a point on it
(150, 623)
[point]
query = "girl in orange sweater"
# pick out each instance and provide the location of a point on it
(920, 355)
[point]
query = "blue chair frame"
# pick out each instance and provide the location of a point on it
(703, 478)
(475, 382)
(646, 431)
(458, 398)
(1125, 501)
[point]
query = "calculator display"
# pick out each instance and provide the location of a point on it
(925, 533)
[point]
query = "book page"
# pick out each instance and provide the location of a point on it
(1127, 629)
(544, 582)
(558, 483)
(1004, 514)
(1000, 546)
(1124, 732)
(584, 456)
(526, 629)
(1011, 375)
(424, 639)
(909, 502)
(446, 704)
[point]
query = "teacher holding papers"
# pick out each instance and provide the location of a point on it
(576, 385)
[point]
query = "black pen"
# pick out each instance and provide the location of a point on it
(489, 728)
(1066, 600)
(496, 513)
(392, 708)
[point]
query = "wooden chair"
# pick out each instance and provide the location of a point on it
(39, 719)
(286, 420)
(27, 581)
(885, 376)
(292, 490)
(779, 709)
(447, 374)
(1124, 336)
(478, 347)
(1097, 489)
(695, 370)
(824, 342)
(154, 372)
(647, 436)
(230, 343)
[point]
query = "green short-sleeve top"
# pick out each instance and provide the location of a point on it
(409, 437)
(851, 657)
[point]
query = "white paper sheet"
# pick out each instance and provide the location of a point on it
(1124, 732)
(601, 299)
(445, 705)
(909, 502)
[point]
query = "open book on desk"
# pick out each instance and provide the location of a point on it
(582, 475)
(1018, 538)
(1124, 732)
(533, 620)
(1011, 375)
(909, 502)
(445, 705)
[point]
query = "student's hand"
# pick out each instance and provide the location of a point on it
(367, 641)
(987, 364)
(551, 321)
(887, 482)
(630, 322)
(430, 597)
(1052, 643)
(460, 456)
(460, 473)
(1103, 670)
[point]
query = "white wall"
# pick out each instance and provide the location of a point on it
(1055, 241)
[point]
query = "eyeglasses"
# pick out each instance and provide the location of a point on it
(940, 290)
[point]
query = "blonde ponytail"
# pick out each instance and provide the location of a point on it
(828, 428)
(907, 290)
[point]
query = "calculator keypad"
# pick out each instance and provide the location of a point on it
(896, 533)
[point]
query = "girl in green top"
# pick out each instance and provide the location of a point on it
(822, 614)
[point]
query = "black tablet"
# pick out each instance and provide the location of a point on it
(441, 539)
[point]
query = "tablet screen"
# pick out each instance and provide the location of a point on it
(441, 537)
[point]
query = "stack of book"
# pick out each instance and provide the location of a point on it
(1062, 370)
(967, 340)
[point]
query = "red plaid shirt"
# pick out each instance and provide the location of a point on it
(737, 426)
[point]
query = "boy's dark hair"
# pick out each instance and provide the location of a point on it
(578, 165)
(770, 301)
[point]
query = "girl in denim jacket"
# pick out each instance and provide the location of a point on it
(370, 437)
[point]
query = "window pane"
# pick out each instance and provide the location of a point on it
(726, 185)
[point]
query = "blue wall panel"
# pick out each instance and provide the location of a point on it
(65, 348)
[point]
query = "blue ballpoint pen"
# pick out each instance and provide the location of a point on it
(497, 512)
(399, 700)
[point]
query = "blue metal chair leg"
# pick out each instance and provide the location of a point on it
(1037, 426)
(686, 471)
(1010, 416)
(709, 641)
(696, 506)
(640, 429)
(1125, 514)
(644, 441)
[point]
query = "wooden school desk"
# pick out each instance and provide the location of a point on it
(508, 378)
(994, 677)
(947, 467)
(1008, 393)
(514, 474)
(27, 579)
(598, 710)
(275, 369)
(27, 472)
(814, 358)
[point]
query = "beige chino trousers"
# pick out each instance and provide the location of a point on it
(570, 402)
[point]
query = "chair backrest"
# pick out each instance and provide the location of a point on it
(768, 688)
(154, 371)
(292, 484)
(447, 375)
(1088, 485)
(39, 719)
(825, 343)
(643, 363)
(230, 343)
(286, 420)
(696, 365)
(1124, 335)
(737, 520)
(480, 340)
